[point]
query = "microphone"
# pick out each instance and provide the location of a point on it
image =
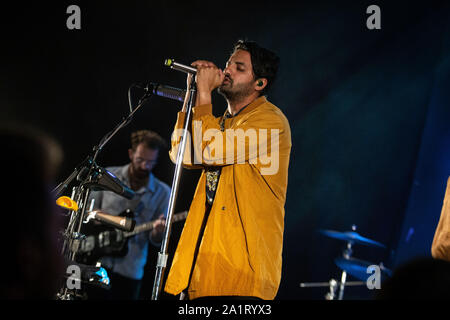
(103, 179)
(179, 67)
(122, 223)
(165, 91)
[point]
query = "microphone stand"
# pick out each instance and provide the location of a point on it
(63, 185)
(88, 162)
(162, 255)
(125, 121)
(72, 236)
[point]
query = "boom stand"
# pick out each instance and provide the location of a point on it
(162, 255)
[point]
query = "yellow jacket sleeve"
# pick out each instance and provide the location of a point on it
(440, 248)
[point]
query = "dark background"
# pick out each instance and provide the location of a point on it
(368, 109)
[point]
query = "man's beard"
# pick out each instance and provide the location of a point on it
(139, 174)
(235, 93)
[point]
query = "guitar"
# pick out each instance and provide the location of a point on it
(103, 241)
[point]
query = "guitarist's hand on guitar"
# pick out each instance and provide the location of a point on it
(109, 241)
(158, 228)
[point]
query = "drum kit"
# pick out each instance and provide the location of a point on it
(349, 265)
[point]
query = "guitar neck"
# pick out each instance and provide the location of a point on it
(148, 226)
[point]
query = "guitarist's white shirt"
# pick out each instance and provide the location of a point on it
(150, 201)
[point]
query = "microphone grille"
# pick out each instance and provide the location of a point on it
(168, 62)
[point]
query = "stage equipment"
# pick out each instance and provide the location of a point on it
(180, 67)
(332, 284)
(352, 266)
(358, 268)
(89, 176)
(165, 91)
(352, 237)
(119, 222)
(105, 240)
(189, 102)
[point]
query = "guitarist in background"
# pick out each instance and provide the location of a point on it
(150, 203)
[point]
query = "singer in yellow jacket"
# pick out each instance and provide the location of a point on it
(240, 253)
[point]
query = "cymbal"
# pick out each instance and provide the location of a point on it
(358, 268)
(351, 236)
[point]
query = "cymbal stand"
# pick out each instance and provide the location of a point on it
(332, 284)
(347, 253)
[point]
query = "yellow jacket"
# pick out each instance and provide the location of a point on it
(440, 248)
(241, 249)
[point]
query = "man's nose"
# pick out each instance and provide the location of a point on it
(227, 71)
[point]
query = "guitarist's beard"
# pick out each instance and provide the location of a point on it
(138, 177)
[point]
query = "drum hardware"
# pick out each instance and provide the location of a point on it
(332, 284)
(351, 237)
(349, 265)
(358, 268)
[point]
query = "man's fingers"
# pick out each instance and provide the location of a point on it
(202, 64)
(162, 219)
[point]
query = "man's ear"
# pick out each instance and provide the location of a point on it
(260, 84)
(130, 154)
